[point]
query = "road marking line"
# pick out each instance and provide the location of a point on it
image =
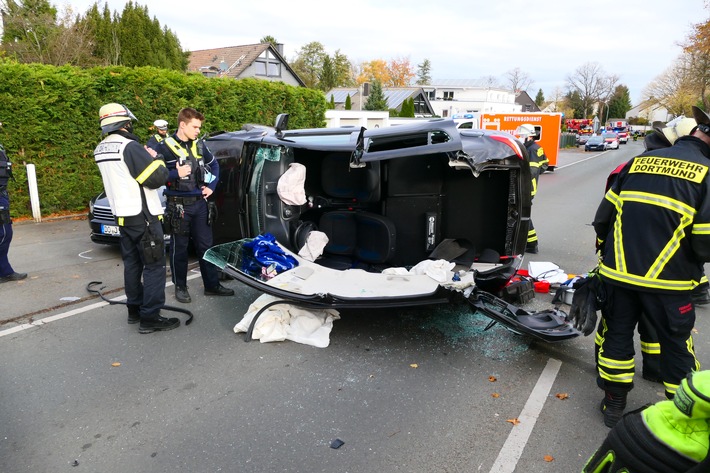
(64, 315)
(519, 434)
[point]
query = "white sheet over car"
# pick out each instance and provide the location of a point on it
(310, 278)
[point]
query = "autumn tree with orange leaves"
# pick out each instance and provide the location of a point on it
(697, 51)
(398, 72)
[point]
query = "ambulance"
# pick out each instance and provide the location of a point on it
(547, 126)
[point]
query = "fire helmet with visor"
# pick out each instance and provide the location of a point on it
(702, 119)
(114, 116)
(525, 131)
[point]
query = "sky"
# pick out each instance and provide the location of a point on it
(548, 40)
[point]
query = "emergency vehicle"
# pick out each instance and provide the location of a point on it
(547, 126)
(620, 127)
(581, 126)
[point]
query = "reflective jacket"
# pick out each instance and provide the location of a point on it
(538, 163)
(126, 167)
(653, 225)
(204, 167)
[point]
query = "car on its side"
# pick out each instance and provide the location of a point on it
(612, 140)
(341, 217)
(595, 143)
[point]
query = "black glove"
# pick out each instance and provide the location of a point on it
(587, 299)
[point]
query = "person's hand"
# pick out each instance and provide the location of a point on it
(183, 169)
(206, 192)
(153, 153)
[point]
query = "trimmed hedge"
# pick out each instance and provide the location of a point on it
(50, 119)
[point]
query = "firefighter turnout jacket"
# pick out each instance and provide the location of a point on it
(126, 167)
(538, 163)
(653, 226)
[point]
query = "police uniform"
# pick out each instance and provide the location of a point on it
(131, 178)
(7, 274)
(154, 141)
(654, 227)
(538, 165)
(188, 212)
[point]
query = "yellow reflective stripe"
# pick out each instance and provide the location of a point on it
(651, 348)
(598, 339)
(669, 250)
(534, 187)
(704, 279)
(150, 170)
(701, 229)
(626, 378)
(658, 200)
(605, 464)
(635, 280)
(615, 364)
(176, 148)
(671, 388)
(619, 256)
(536, 164)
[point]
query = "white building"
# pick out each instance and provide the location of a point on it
(651, 111)
(453, 97)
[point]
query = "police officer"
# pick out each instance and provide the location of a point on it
(538, 165)
(654, 227)
(194, 174)
(161, 132)
(7, 274)
(131, 176)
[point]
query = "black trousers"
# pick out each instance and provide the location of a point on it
(148, 294)
(193, 225)
(672, 316)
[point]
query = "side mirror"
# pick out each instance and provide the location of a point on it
(281, 123)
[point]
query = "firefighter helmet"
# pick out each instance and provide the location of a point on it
(703, 120)
(114, 116)
(525, 130)
(678, 127)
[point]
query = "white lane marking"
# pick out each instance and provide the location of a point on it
(582, 160)
(519, 434)
(80, 310)
(81, 255)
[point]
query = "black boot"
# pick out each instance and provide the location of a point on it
(158, 324)
(612, 406)
(134, 314)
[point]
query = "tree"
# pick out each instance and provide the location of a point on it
(573, 102)
(401, 73)
(342, 67)
(675, 88)
(424, 72)
(269, 39)
(331, 105)
(28, 29)
(407, 109)
(518, 80)
(309, 63)
(697, 49)
(375, 71)
(326, 78)
(593, 86)
(539, 98)
(620, 102)
(376, 100)
(491, 82)
(348, 103)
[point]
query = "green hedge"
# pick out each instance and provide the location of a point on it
(50, 119)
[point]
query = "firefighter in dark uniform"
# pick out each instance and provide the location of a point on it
(194, 174)
(131, 177)
(538, 165)
(654, 227)
(7, 274)
(161, 132)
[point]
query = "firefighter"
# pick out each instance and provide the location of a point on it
(131, 177)
(193, 177)
(161, 132)
(653, 226)
(538, 165)
(669, 436)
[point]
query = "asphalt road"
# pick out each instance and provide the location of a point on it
(423, 390)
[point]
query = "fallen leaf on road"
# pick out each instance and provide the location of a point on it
(492, 379)
(414, 365)
(514, 421)
(496, 395)
(562, 395)
(549, 458)
(116, 364)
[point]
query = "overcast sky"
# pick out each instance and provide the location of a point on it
(549, 40)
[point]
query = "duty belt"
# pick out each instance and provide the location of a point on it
(184, 200)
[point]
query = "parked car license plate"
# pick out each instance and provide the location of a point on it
(110, 230)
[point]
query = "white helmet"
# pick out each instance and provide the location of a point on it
(525, 130)
(114, 116)
(678, 127)
(161, 124)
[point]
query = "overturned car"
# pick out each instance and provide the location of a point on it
(391, 217)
